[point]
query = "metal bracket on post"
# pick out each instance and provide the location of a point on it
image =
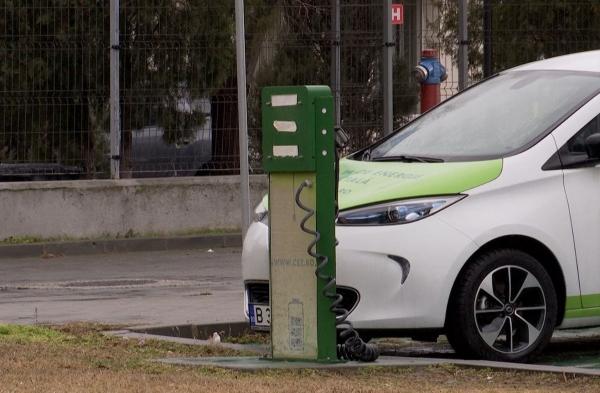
(325, 222)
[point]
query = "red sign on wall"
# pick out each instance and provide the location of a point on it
(397, 14)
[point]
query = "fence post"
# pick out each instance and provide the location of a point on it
(463, 42)
(240, 46)
(387, 80)
(336, 63)
(115, 108)
(487, 39)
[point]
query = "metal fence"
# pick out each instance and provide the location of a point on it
(178, 96)
(505, 33)
(53, 86)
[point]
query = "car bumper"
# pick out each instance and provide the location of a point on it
(369, 260)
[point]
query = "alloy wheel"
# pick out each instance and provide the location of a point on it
(510, 309)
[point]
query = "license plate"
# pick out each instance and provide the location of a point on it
(260, 315)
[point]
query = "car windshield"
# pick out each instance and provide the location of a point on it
(491, 120)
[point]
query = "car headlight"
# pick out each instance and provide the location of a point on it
(261, 214)
(399, 212)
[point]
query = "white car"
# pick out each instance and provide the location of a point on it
(479, 220)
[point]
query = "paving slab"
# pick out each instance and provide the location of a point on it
(254, 363)
(262, 363)
(568, 348)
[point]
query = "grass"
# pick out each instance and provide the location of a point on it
(248, 338)
(29, 240)
(78, 357)
(30, 334)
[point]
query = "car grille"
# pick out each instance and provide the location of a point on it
(258, 293)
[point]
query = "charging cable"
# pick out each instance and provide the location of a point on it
(351, 346)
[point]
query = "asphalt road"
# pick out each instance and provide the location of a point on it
(142, 288)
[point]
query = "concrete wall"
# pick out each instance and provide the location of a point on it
(117, 208)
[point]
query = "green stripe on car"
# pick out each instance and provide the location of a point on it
(366, 182)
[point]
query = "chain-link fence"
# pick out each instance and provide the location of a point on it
(300, 48)
(53, 89)
(506, 33)
(178, 96)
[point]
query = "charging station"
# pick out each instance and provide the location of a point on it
(299, 147)
(299, 156)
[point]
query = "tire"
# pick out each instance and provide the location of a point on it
(478, 322)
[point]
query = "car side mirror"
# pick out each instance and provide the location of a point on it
(592, 146)
(341, 138)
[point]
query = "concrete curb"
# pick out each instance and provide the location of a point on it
(194, 331)
(191, 335)
(91, 247)
(127, 334)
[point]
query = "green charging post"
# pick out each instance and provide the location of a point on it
(299, 156)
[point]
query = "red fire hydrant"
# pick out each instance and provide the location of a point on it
(430, 73)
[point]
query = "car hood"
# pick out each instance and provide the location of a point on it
(367, 182)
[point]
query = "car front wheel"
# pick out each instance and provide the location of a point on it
(504, 308)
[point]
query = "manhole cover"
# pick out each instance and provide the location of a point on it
(107, 283)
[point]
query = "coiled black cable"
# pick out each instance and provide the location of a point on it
(352, 347)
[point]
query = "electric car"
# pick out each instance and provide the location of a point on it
(479, 220)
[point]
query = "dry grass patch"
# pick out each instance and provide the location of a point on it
(78, 358)
(248, 338)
